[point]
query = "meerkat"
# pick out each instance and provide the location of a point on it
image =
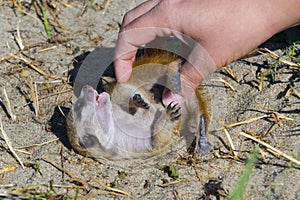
(128, 120)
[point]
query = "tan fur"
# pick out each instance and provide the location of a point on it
(148, 69)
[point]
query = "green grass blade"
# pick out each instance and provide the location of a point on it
(46, 24)
(244, 178)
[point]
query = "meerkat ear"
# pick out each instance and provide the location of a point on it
(107, 83)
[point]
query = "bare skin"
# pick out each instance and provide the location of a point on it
(227, 30)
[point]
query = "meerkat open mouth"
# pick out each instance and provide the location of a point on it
(101, 98)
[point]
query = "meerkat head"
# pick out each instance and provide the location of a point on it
(92, 117)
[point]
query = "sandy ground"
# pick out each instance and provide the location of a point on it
(39, 135)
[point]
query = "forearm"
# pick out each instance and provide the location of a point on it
(229, 30)
(282, 14)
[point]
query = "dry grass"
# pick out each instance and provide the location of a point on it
(61, 81)
(9, 144)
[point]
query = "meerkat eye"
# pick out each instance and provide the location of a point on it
(89, 140)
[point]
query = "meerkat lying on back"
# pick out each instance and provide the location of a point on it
(128, 120)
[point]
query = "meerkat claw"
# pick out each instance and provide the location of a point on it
(174, 111)
(177, 117)
(139, 101)
(170, 105)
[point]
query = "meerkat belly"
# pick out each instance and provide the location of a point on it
(121, 126)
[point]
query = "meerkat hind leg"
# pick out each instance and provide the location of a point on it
(202, 144)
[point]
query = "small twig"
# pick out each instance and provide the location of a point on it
(58, 103)
(230, 143)
(23, 151)
(171, 183)
(37, 100)
(47, 49)
(55, 93)
(35, 68)
(37, 145)
(27, 47)
(49, 82)
(225, 82)
(255, 119)
(107, 2)
(6, 139)
(84, 183)
(295, 92)
(270, 129)
(61, 92)
(83, 10)
(279, 117)
(7, 169)
(19, 39)
(263, 154)
(243, 122)
(34, 98)
(5, 57)
(275, 56)
(176, 195)
(65, 186)
(61, 111)
(17, 150)
(45, 3)
(8, 105)
(65, 4)
(273, 150)
(110, 188)
(6, 186)
(49, 95)
(278, 122)
(26, 13)
(230, 73)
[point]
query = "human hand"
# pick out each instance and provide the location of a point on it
(224, 31)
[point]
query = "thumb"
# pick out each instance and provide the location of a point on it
(188, 82)
(198, 65)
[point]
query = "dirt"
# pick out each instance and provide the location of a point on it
(39, 135)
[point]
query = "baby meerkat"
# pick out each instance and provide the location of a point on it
(128, 120)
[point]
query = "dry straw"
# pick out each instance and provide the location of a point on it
(7, 141)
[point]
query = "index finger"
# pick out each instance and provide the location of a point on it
(128, 42)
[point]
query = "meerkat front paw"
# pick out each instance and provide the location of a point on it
(139, 101)
(173, 111)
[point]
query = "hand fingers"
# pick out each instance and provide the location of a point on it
(128, 42)
(123, 63)
(145, 29)
(197, 66)
(138, 32)
(190, 78)
(139, 11)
